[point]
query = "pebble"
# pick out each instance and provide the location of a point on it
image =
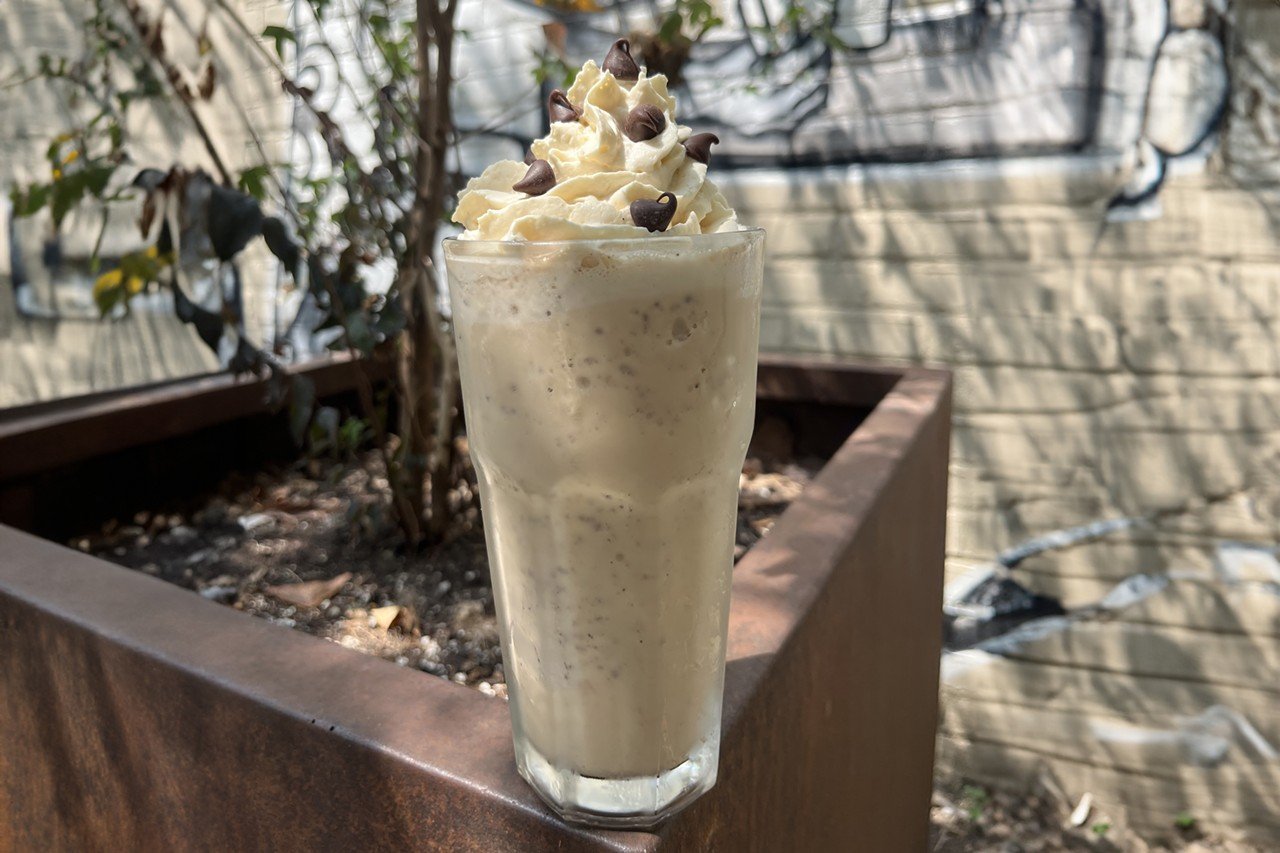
(181, 533)
(254, 521)
(220, 594)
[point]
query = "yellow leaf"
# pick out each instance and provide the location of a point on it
(72, 156)
(109, 280)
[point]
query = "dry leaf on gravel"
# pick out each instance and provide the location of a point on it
(393, 616)
(767, 490)
(308, 593)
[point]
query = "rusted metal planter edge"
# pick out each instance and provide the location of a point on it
(134, 713)
(41, 436)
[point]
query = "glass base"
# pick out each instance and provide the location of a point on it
(639, 802)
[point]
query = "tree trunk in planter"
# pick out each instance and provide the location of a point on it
(427, 377)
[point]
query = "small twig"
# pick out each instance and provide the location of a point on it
(287, 81)
(97, 243)
(512, 112)
(17, 81)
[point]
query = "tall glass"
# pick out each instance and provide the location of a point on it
(609, 391)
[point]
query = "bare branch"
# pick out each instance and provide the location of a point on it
(148, 35)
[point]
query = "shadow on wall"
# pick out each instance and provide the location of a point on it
(1114, 362)
(52, 343)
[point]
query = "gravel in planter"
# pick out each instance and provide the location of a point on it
(312, 548)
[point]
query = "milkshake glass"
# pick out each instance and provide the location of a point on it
(609, 394)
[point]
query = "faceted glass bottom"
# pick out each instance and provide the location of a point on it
(639, 802)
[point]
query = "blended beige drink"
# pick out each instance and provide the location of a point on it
(608, 374)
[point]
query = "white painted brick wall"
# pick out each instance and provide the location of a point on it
(40, 359)
(1143, 354)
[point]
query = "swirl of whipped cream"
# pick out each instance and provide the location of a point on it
(599, 172)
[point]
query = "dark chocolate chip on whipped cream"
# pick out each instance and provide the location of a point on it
(619, 63)
(644, 122)
(537, 180)
(559, 108)
(654, 215)
(698, 146)
(529, 158)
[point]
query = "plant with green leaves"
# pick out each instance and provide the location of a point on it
(329, 231)
(796, 22)
(678, 26)
(975, 799)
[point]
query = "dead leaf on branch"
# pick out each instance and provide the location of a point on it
(208, 81)
(308, 593)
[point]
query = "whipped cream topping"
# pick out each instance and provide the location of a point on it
(599, 172)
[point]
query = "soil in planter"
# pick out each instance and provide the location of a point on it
(966, 817)
(312, 548)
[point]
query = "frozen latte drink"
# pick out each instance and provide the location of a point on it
(606, 306)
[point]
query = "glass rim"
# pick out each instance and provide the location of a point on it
(639, 240)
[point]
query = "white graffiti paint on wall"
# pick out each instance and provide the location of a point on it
(868, 81)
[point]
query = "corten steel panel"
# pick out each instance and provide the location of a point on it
(137, 716)
(41, 436)
(834, 648)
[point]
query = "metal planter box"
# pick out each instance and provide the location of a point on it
(135, 715)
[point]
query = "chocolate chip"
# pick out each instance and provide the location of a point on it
(559, 108)
(654, 215)
(529, 158)
(698, 146)
(619, 63)
(537, 180)
(644, 122)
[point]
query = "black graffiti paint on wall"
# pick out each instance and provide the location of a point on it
(923, 83)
